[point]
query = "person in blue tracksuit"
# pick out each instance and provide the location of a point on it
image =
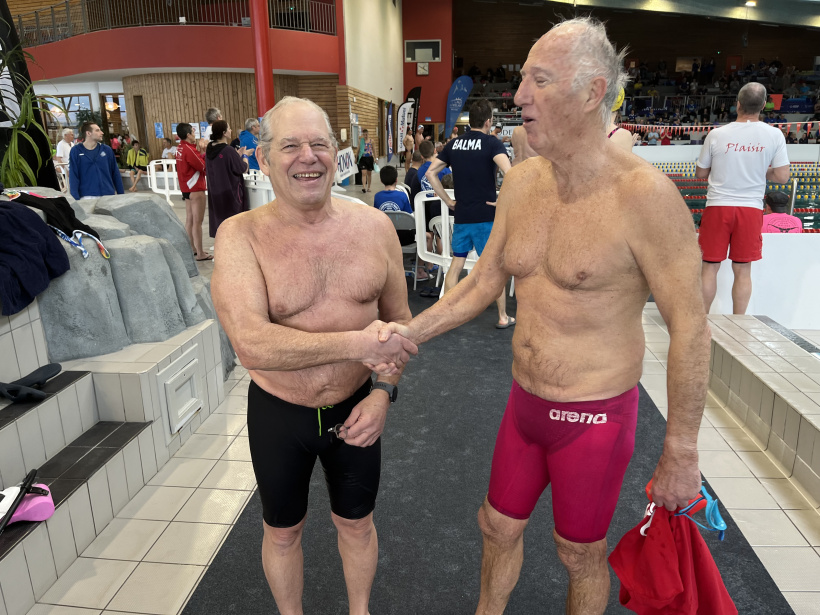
(249, 138)
(93, 169)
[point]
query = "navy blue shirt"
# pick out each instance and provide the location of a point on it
(392, 200)
(471, 158)
(93, 172)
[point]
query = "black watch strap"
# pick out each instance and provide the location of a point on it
(392, 389)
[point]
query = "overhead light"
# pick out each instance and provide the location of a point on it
(111, 106)
(751, 3)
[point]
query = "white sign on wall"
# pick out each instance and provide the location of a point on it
(345, 164)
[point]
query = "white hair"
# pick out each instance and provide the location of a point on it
(266, 135)
(250, 123)
(68, 130)
(213, 114)
(595, 56)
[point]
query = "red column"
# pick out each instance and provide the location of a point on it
(340, 36)
(260, 27)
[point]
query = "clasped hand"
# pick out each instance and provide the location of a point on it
(387, 347)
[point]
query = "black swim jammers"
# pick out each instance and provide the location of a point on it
(285, 440)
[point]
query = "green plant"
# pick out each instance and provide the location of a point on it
(87, 115)
(15, 169)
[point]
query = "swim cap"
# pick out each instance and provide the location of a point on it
(618, 101)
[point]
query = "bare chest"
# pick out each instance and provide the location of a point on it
(321, 280)
(582, 248)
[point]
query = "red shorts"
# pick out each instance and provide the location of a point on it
(582, 448)
(738, 227)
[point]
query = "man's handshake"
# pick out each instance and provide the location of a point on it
(387, 347)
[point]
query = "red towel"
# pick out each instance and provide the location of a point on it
(670, 571)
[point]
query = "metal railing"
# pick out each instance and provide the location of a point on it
(306, 15)
(74, 17)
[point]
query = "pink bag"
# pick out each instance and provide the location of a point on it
(36, 505)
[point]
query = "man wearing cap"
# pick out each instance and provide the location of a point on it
(419, 136)
(497, 134)
(776, 218)
(738, 159)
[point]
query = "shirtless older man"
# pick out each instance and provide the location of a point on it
(521, 149)
(579, 344)
(286, 293)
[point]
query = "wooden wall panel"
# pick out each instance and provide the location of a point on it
(366, 106)
(651, 36)
(184, 97)
(321, 89)
(17, 7)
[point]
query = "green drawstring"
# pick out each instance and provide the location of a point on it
(319, 414)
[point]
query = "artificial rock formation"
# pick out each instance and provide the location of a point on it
(149, 214)
(107, 226)
(145, 288)
(188, 305)
(80, 311)
(202, 288)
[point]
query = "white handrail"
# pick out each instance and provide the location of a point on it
(163, 179)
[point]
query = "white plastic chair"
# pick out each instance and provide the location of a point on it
(436, 225)
(402, 221)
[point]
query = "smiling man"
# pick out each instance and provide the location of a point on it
(288, 294)
(578, 348)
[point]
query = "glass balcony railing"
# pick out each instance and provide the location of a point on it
(74, 17)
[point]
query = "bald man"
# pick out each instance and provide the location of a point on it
(286, 293)
(579, 345)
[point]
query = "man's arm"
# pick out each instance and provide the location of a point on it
(240, 297)
(432, 177)
(662, 239)
(366, 421)
(702, 173)
(778, 175)
(503, 162)
(472, 294)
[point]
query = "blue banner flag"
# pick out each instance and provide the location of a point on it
(158, 130)
(389, 131)
(459, 92)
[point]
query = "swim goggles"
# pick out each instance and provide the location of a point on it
(713, 517)
(704, 501)
(76, 240)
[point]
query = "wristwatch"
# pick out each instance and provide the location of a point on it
(392, 390)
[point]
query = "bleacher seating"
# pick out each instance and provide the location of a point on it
(804, 186)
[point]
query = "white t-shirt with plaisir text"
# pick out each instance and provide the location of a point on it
(739, 154)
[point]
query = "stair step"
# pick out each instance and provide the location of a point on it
(72, 467)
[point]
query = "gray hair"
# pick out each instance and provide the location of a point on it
(595, 56)
(266, 135)
(752, 98)
(212, 114)
(250, 123)
(68, 130)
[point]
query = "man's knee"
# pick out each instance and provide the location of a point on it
(282, 539)
(580, 558)
(359, 530)
(498, 527)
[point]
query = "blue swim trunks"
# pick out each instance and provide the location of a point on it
(469, 236)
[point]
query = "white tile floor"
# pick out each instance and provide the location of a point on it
(778, 519)
(151, 557)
